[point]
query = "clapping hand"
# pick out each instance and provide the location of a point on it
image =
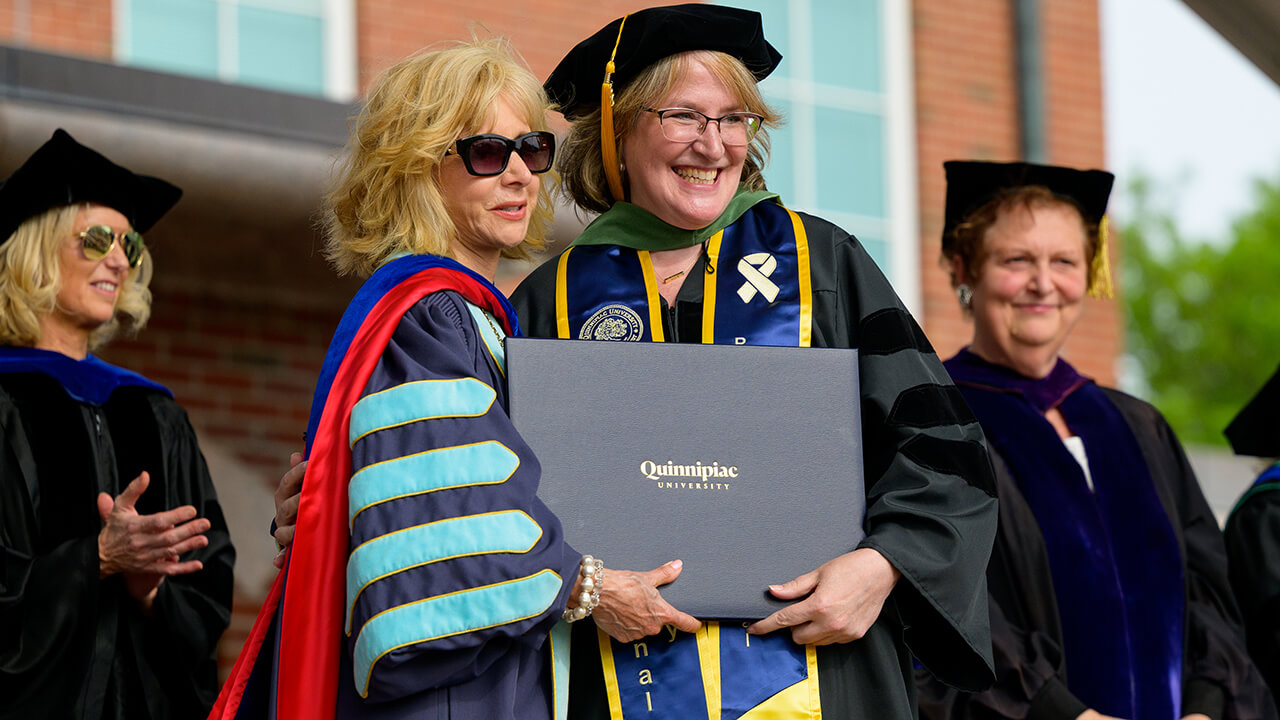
(145, 548)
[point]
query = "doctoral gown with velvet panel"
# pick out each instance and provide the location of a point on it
(73, 645)
(930, 505)
(456, 579)
(1031, 678)
(425, 574)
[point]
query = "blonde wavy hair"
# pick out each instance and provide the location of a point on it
(386, 198)
(31, 278)
(581, 162)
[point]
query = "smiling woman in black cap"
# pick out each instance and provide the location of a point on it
(1108, 584)
(115, 563)
(691, 247)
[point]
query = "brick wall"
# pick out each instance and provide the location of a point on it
(1073, 59)
(244, 375)
(541, 30)
(967, 107)
(81, 28)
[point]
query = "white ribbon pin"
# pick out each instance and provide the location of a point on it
(756, 268)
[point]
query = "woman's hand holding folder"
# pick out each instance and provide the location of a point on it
(632, 608)
(845, 596)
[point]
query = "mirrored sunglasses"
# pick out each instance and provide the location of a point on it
(486, 155)
(98, 240)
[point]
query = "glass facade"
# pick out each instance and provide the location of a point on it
(275, 44)
(831, 158)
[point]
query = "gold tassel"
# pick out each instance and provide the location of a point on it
(1100, 285)
(608, 141)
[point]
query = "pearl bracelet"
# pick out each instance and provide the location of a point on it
(592, 572)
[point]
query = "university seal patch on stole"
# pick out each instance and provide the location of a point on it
(613, 322)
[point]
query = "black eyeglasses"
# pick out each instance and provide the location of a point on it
(683, 125)
(486, 155)
(98, 240)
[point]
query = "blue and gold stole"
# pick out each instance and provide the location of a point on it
(718, 673)
(758, 294)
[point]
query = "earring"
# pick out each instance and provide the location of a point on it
(965, 294)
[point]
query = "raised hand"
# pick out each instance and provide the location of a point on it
(145, 548)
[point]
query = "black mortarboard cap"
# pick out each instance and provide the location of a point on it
(64, 172)
(972, 184)
(649, 36)
(1255, 430)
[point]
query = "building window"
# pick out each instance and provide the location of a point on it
(298, 46)
(847, 150)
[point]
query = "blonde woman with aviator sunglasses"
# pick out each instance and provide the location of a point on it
(116, 563)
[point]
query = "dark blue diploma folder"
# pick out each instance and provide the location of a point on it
(744, 462)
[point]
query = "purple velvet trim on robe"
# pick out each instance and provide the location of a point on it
(1044, 394)
(1114, 557)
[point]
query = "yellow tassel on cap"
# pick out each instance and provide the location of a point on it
(1100, 270)
(608, 141)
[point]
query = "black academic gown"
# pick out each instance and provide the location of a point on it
(73, 645)
(1253, 546)
(930, 509)
(1031, 681)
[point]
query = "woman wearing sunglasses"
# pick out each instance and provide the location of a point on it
(115, 557)
(674, 164)
(424, 576)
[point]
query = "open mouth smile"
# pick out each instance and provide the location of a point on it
(698, 176)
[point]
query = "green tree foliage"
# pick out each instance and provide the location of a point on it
(1203, 319)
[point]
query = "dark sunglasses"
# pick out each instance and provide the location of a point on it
(98, 240)
(486, 155)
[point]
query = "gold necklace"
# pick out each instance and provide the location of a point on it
(497, 333)
(681, 273)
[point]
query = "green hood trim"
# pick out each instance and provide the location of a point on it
(630, 226)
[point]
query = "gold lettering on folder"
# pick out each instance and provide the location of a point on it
(703, 474)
